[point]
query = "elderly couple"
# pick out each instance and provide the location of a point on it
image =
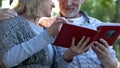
(26, 44)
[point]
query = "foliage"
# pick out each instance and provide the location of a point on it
(0, 2)
(117, 47)
(101, 9)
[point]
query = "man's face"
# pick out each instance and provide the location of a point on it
(70, 8)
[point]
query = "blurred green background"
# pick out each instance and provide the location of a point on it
(106, 11)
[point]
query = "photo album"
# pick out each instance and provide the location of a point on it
(109, 32)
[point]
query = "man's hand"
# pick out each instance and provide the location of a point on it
(7, 13)
(102, 51)
(76, 49)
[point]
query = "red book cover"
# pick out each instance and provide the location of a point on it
(68, 31)
(109, 33)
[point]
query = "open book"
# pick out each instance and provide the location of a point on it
(109, 32)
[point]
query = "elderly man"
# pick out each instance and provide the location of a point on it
(100, 56)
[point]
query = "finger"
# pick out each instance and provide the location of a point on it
(11, 12)
(54, 28)
(87, 47)
(4, 9)
(96, 49)
(7, 15)
(100, 46)
(62, 20)
(104, 43)
(4, 15)
(80, 42)
(65, 20)
(73, 41)
(70, 21)
(59, 20)
(4, 18)
(8, 11)
(85, 43)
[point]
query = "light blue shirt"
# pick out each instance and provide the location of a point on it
(87, 59)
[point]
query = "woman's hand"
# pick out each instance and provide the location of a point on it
(76, 49)
(55, 27)
(102, 51)
(7, 13)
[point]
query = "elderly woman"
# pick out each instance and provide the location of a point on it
(19, 45)
(24, 44)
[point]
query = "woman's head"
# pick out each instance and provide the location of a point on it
(34, 8)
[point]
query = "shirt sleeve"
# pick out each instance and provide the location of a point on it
(22, 51)
(61, 63)
(112, 52)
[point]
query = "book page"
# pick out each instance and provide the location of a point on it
(107, 24)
